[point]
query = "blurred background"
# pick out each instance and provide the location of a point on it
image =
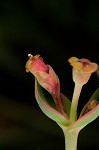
(57, 30)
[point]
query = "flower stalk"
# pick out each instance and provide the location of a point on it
(71, 140)
(58, 102)
(75, 99)
(71, 137)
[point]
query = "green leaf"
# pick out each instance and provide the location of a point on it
(89, 113)
(95, 95)
(47, 105)
(94, 100)
(86, 119)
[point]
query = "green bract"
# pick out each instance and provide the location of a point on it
(46, 103)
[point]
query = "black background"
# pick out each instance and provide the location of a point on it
(57, 30)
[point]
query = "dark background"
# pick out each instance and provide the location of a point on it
(57, 30)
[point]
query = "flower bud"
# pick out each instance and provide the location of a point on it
(47, 78)
(44, 74)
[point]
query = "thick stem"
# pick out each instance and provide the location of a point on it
(71, 139)
(75, 98)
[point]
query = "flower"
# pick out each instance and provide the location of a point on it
(46, 77)
(44, 74)
(82, 69)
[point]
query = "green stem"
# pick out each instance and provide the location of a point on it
(76, 94)
(71, 140)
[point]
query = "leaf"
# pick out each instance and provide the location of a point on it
(93, 102)
(46, 103)
(86, 119)
(95, 95)
(89, 115)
